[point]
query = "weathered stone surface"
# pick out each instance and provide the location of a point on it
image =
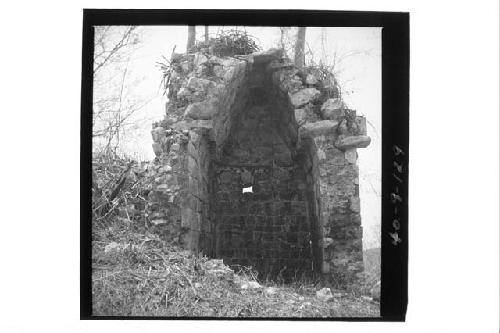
(200, 59)
(219, 71)
(201, 110)
(351, 155)
(324, 294)
(183, 92)
(113, 246)
(158, 133)
(269, 291)
(361, 125)
(228, 62)
(157, 149)
(304, 96)
(327, 242)
(360, 141)
(276, 65)
(311, 79)
(300, 116)
(199, 84)
(250, 285)
(355, 204)
(332, 109)
(159, 222)
(216, 267)
(229, 74)
(322, 127)
(342, 128)
(165, 169)
(321, 155)
(185, 66)
(190, 124)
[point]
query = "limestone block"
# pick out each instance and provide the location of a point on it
(351, 155)
(157, 149)
(199, 84)
(361, 125)
(321, 155)
(355, 204)
(332, 109)
(266, 56)
(342, 128)
(185, 66)
(159, 222)
(276, 65)
(327, 242)
(229, 74)
(158, 133)
(322, 127)
(163, 188)
(250, 285)
(304, 96)
(311, 79)
(324, 294)
(349, 142)
(199, 59)
(201, 110)
(165, 169)
(175, 147)
(300, 116)
(186, 125)
(227, 61)
(194, 137)
(218, 71)
(183, 92)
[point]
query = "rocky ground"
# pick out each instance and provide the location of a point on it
(135, 273)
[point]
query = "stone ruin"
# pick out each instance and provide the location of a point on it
(256, 164)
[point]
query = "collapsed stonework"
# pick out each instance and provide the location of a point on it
(256, 164)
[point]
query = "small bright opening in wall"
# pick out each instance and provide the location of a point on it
(247, 189)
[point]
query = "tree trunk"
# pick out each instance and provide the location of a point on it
(191, 37)
(299, 60)
(206, 34)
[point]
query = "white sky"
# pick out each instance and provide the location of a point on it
(360, 78)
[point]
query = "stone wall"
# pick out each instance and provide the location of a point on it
(268, 228)
(259, 121)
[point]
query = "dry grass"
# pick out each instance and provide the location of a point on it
(141, 275)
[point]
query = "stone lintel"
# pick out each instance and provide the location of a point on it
(349, 142)
(322, 127)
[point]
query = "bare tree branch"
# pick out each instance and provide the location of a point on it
(123, 42)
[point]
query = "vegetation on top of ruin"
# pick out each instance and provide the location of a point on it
(228, 43)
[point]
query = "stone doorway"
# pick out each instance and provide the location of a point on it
(265, 128)
(261, 205)
(267, 229)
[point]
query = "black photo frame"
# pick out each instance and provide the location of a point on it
(395, 127)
